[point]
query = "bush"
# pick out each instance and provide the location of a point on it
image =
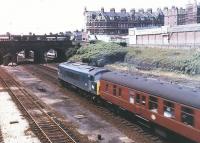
(100, 53)
(123, 44)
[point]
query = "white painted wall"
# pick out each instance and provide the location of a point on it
(176, 35)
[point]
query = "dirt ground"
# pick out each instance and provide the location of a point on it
(86, 122)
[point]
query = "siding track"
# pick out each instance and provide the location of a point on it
(47, 128)
(1, 137)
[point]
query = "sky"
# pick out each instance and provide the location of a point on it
(45, 16)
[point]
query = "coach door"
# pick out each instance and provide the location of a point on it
(140, 104)
(132, 100)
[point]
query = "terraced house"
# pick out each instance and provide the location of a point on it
(116, 23)
(101, 22)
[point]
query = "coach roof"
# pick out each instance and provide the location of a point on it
(173, 92)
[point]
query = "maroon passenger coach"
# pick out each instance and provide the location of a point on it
(167, 105)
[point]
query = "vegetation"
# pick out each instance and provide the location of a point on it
(176, 60)
(100, 53)
(179, 60)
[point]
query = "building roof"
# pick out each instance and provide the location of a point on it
(126, 15)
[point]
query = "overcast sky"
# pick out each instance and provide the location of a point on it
(44, 16)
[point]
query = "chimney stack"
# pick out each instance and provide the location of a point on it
(102, 9)
(141, 10)
(132, 11)
(123, 10)
(149, 10)
(112, 10)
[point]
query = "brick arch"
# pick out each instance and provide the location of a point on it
(39, 47)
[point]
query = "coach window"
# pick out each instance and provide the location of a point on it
(114, 89)
(153, 104)
(143, 102)
(137, 98)
(119, 91)
(168, 109)
(131, 97)
(187, 116)
(107, 87)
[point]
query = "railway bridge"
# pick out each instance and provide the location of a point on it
(9, 48)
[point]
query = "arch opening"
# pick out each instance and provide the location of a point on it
(25, 57)
(51, 55)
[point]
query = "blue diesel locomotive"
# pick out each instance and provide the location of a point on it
(81, 75)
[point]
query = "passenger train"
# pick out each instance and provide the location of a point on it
(166, 105)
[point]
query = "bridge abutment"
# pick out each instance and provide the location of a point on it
(61, 56)
(6, 59)
(1, 59)
(39, 56)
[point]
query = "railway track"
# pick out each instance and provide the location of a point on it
(123, 124)
(49, 69)
(132, 125)
(47, 128)
(1, 137)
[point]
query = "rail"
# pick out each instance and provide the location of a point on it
(50, 130)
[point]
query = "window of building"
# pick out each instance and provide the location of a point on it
(168, 109)
(107, 87)
(114, 89)
(137, 98)
(187, 116)
(119, 91)
(153, 104)
(143, 102)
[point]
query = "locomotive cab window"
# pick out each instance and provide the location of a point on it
(91, 78)
(168, 109)
(114, 89)
(187, 116)
(153, 104)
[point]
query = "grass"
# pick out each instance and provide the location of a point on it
(179, 60)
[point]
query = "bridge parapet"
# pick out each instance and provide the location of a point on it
(53, 37)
